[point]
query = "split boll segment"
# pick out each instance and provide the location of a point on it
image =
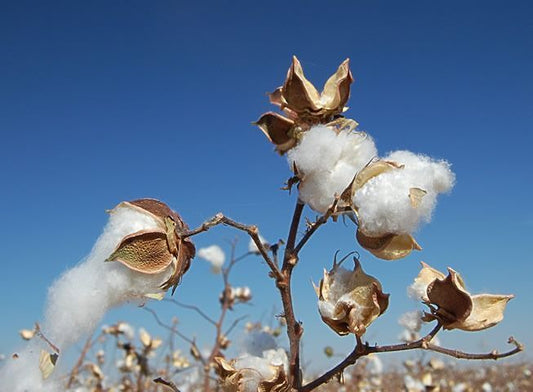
(452, 305)
(349, 301)
(151, 251)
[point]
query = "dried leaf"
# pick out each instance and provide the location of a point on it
(426, 276)
(145, 251)
(47, 363)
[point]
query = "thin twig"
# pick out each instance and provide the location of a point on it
(314, 227)
(79, 362)
(234, 324)
(251, 230)
(192, 307)
(423, 343)
(171, 329)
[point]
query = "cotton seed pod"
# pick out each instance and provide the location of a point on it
(454, 306)
(152, 251)
(349, 301)
(303, 105)
(249, 379)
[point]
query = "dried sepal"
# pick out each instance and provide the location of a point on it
(47, 363)
(236, 380)
(453, 301)
(336, 91)
(298, 93)
(145, 251)
(453, 305)
(415, 196)
(349, 301)
(304, 106)
(152, 251)
(389, 246)
(278, 382)
(426, 276)
(278, 129)
(487, 311)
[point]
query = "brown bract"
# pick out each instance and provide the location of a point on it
(152, 251)
(454, 306)
(303, 105)
(349, 301)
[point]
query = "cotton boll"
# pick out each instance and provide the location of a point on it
(78, 300)
(259, 368)
(383, 203)
(214, 255)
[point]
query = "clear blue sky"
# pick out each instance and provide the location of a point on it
(105, 101)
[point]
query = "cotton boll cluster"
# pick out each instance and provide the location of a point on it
(81, 296)
(384, 204)
(215, 256)
(327, 161)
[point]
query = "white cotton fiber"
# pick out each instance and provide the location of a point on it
(214, 255)
(78, 300)
(327, 162)
(383, 202)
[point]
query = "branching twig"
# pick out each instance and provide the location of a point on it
(79, 362)
(192, 307)
(423, 343)
(251, 230)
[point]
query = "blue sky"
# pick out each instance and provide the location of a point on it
(108, 101)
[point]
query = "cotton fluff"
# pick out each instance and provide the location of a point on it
(78, 300)
(214, 255)
(383, 203)
(327, 162)
(259, 368)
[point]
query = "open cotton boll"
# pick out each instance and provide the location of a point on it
(383, 203)
(78, 300)
(260, 368)
(214, 255)
(327, 161)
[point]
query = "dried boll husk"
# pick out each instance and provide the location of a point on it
(248, 379)
(453, 305)
(152, 251)
(349, 301)
(304, 106)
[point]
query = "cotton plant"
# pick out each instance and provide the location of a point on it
(147, 248)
